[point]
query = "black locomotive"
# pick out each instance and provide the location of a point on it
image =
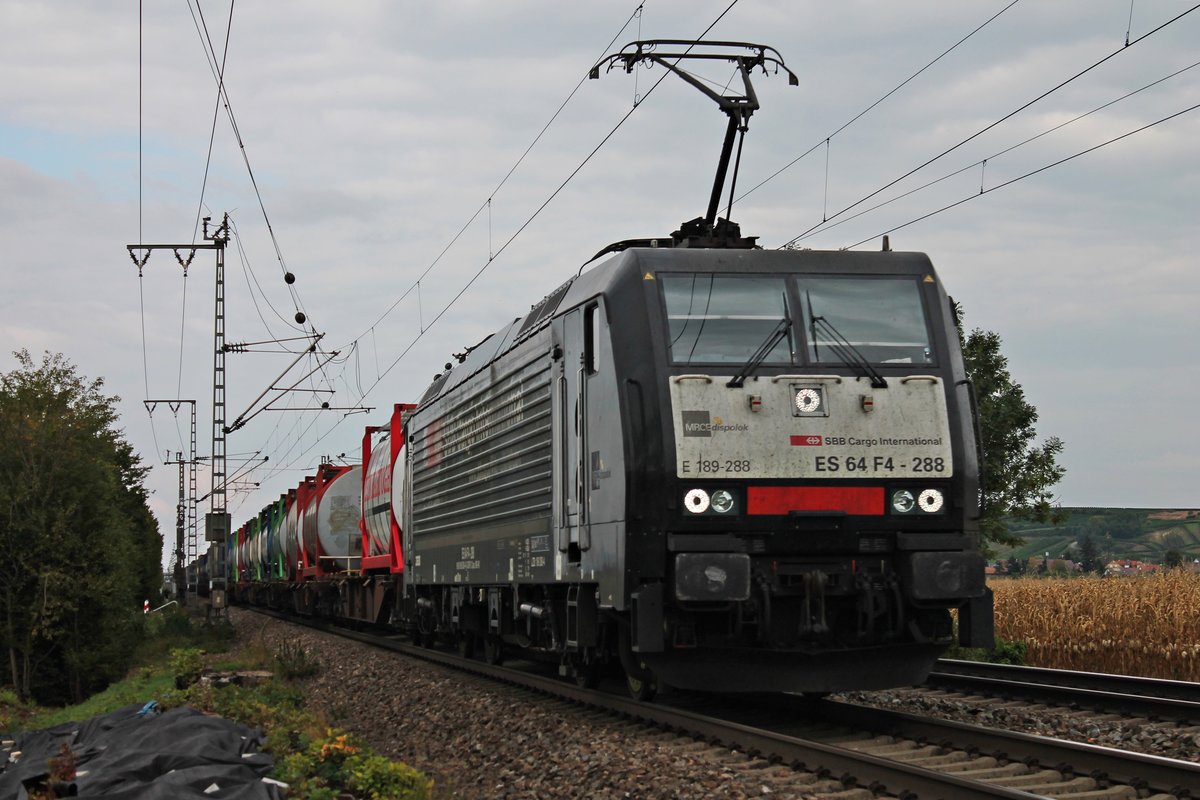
(732, 468)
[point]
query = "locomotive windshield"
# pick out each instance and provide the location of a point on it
(724, 318)
(881, 318)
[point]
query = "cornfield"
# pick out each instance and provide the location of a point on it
(1146, 625)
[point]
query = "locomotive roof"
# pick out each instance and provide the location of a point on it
(635, 261)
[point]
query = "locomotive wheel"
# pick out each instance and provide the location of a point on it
(642, 689)
(466, 644)
(640, 681)
(587, 676)
(493, 650)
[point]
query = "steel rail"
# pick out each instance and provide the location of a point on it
(1150, 698)
(881, 775)
(1143, 772)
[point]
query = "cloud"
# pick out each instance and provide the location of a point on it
(377, 130)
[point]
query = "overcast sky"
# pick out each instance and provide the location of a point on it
(377, 131)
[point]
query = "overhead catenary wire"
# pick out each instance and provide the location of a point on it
(487, 203)
(543, 205)
(998, 154)
(869, 108)
(491, 255)
(529, 220)
(223, 96)
(372, 331)
(416, 286)
(212, 131)
(252, 284)
(141, 284)
(1029, 174)
(992, 125)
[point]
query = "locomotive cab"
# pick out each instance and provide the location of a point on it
(818, 484)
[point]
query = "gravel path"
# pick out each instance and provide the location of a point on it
(480, 740)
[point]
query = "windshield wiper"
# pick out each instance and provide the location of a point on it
(847, 352)
(760, 355)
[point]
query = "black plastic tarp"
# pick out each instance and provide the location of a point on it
(137, 753)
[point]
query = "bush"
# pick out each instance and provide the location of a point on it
(1006, 652)
(316, 761)
(293, 660)
(12, 710)
(186, 665)
(336, 763)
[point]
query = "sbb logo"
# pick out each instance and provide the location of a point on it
(806, 441)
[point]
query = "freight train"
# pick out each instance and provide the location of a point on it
(714, 465)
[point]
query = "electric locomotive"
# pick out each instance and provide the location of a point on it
(728, 467)
(724, 468)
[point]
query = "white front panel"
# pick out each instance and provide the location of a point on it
(844, 430)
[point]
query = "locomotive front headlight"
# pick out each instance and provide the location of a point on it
(903, 501)
(808, 401)
(722, 501)
(931, 501)
(696, 501)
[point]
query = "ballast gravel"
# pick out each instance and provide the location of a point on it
(1168, 739)
(483, 740)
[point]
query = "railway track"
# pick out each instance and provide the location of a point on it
(826, 747)
(1149, 698)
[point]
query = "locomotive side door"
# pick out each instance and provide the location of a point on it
(571, 409)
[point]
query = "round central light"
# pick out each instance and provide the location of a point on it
(903, 501)
(931, 500)
(722, 501)
(807, 400)
(696, 501)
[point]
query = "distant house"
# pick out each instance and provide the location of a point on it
(1040, 563)
(1129, 566)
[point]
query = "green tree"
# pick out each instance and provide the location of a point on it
(1172, 559)
(1018, 475)
(1089, 556)
(76, 535)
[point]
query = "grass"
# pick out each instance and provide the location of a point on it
(148, 679)
(318, 761)
(141, 687)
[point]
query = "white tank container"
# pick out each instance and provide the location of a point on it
(330, 524)
(291, 536)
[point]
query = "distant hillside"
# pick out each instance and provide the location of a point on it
(1145, 534)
